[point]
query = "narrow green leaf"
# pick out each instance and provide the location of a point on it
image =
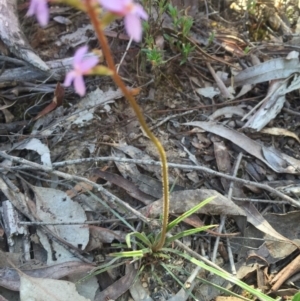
(188, 213)
(126, 254)
(173, 185)
(141, 236)
(177, 280)
(187, 233)
(128, 240)
(100, 269)
(224, 275)
(223, 289)
(137, 253)
(161, 255)
(115, 213)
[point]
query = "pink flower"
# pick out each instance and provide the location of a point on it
(39, 8)
(82, 66)
(132, 12)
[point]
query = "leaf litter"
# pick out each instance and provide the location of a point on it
(58, 228)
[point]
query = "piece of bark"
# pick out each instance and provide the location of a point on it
(13, 37)
(291, 269)
(12, 127)
(10, 279)
(28, 73)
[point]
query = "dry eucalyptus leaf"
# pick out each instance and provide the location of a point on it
(101, 235)
(278, 161)
(10, 278)
(272, 104)
(209, 92)
(270, 70)
(36, 145)
(227, 112)
(55, 206)
(39, 289)
(280, 132)
(92, 101)
(181, 201)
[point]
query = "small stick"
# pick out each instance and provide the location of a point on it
(285, 273)
(124, 55)
(230, 254)
(149, 162)
(216, 246)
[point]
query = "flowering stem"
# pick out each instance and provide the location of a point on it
(117, 79)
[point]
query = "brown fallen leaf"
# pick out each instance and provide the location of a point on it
(9, 278)
(259, 222)
(273, 250)
(57, 101)
(291, 269)
(280, 132)
(276, 160)
(99, 235)
(223, 161)
(131, 188)
(79, 188)
(119, 287)
(47, 289)
(195, 222)
(181, 201)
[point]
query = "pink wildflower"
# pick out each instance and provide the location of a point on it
(132, 12)
(82, 66)
(39, 8)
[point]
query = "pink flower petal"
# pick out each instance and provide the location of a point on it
(139, 11)
(117, 6)
(42, 13)
(133, 27)
(79, 85)
(32, 8)
(39, 8)
(79, 54)
(88, 63)
(69, 78)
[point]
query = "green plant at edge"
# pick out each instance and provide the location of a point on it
(159, 243)
(251, 4)
(296, 297)
(186, 49)
(246, 50)
(154, 56)
(151, 244)
(211, 38)
(182, 25)
(146, 243)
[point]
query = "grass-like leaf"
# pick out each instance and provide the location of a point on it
(141, 236)
(222, 274)
(187, 233)
(183, 216)
(223, 289)
(102, 268)
(165, 266)
(115, 213)
(126, 254)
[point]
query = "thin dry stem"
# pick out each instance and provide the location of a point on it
(96, 22)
